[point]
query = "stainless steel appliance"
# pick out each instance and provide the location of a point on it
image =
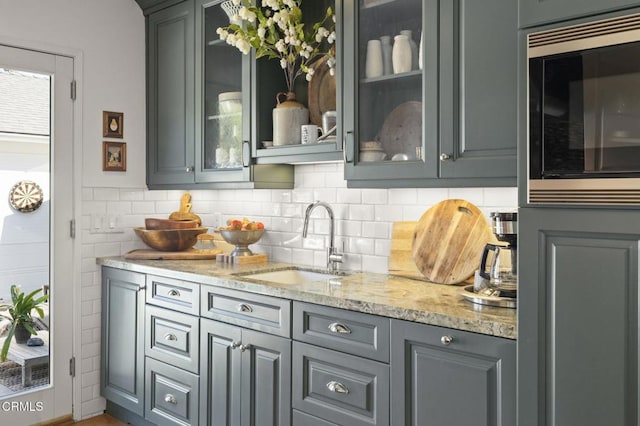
(496, 282)
(584, 113)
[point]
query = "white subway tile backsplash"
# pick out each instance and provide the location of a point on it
(376, 229)
(403, 196)
(472, 195)
(361, 212)
(158, 196)
(375, 264)
(349, 196)
(375, 196)
(329, 195)
(106, 194)
(131, 194)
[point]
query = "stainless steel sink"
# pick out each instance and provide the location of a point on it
(293, 276)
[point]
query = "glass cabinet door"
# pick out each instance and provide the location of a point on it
(222, 73)
(395, 70)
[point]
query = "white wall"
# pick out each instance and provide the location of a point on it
(107, 39)
(110, 36)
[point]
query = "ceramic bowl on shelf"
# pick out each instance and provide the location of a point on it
(241, 239)
(372, 155)
(170, 239)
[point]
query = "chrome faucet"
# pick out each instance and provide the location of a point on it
(333, 257)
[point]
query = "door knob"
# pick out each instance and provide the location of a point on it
(445, 157)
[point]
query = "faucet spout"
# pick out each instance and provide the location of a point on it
(333, 257)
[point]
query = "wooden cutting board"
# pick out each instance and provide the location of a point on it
(400, 256)
(448, 241)
(191, 254)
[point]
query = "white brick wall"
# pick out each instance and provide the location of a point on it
(363, 226)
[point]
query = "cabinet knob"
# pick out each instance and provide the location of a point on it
(235, 345)
(173, 292)
(243, 307)
(171, 337)
(337, 387)
(190, 169)
(339, 328)
(170, 399)
(445, 157)
(245, 347)
(446, 340)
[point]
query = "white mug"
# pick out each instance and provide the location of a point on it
(309, 133)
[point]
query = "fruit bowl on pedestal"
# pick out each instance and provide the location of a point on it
(241, 239)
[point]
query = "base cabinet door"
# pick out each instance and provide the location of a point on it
(245, 377)
(122, 356)
(444, 377)
(578, 317)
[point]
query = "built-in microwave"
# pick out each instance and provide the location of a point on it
(584, 113)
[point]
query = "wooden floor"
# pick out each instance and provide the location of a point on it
(103, 420)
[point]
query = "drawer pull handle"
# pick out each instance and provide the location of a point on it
(337, 387)
(171, 337)
(170, 399)
(235, 345)
(174, 292)
(446, 340)
(243, 307)
(336, 327)
(245, 347)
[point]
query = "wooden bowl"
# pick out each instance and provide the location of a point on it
(151, 223)
(170, 239)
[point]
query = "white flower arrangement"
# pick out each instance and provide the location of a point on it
(276, 30)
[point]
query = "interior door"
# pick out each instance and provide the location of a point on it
(54, 400)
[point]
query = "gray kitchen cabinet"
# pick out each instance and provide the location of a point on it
(451, 122)
(245, 376)
(340, 388)
(538, 12)
(578, 317)
(170, 95)
(193, 141)
(444, 377)
(122, 339)
(171, 394)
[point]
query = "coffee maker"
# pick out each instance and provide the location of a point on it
(496, 281)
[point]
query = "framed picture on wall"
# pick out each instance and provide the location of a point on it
(112, 124)
(114, 156)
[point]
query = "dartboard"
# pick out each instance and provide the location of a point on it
(25, 196)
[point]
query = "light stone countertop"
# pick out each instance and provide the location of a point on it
(379, 294)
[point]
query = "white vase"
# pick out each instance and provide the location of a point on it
(288, 116)
(387, 64)
(373, 63)
(420, 60)
(401, 54)
(414, 48)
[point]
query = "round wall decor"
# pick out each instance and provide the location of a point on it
(26, 196)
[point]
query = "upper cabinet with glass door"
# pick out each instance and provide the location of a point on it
(224, 109)
(430, 93)
(395, 90)
(200, 104)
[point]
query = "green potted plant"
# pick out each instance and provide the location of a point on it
(19, 311)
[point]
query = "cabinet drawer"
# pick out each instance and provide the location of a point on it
(303, 419)
(346, 331)
(171, 394)
(172, 337)
(258, 312)
(339, 388)
(178, 295)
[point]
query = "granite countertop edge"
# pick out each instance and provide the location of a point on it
(378, 294)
